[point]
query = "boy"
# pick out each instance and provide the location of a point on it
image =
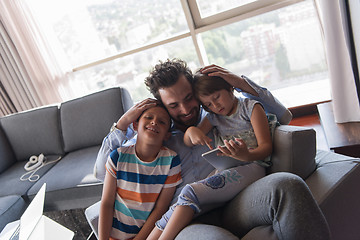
(141, 179)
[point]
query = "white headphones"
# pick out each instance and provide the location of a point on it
(33, 165)
(34, 162)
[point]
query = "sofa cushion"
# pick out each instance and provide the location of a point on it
(294, 150)
(34, 132)
(72, 177)
(10, 179)
(86, 121)
(7, 156)
(11, 209)
(205, 232)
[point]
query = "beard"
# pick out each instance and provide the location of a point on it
(183, 123)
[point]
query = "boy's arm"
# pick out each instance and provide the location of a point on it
(107, 207)
(117, 136)
(197, 135)
(161, 206)
(134, 113)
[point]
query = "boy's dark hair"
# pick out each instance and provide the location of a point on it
(166, 74)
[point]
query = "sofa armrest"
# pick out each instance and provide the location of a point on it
(294, 150)
(334, 185)
(7, 156)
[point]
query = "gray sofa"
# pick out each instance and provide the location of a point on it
(72, 130)
(75, 129)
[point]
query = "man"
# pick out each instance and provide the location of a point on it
(279, 206)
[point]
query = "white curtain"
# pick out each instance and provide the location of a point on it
(17, 91)
(344, 96)
(44, 75)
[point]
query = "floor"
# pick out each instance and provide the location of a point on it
(75, 219)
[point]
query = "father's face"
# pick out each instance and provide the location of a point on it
(181, 103)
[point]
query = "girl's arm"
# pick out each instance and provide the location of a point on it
(238, 149)
(161, 206)
(107, 206)
(197, 135)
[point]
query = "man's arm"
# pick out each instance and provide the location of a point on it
(112, 141)
(253, 91)
(233, 79)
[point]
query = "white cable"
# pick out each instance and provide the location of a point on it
(34, 162)
(33, 165)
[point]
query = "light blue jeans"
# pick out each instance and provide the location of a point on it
(219, 187)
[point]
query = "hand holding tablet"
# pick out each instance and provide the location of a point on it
(221, 162)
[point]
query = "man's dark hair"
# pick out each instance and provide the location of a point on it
(166, 74)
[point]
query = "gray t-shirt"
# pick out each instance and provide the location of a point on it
(238, 125)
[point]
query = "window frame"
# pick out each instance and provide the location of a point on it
(197, 24)
(236, 14)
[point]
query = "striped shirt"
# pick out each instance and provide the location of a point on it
(138, 186)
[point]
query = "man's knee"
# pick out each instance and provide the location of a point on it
(286, 183)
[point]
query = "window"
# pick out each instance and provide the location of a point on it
(89, 30)
(209, 8)
(115, 43)
(130, 71)
(281, 50)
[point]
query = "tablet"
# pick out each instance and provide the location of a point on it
(221, 162)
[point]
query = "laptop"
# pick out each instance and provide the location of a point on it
(221, 162)
(33, 225)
